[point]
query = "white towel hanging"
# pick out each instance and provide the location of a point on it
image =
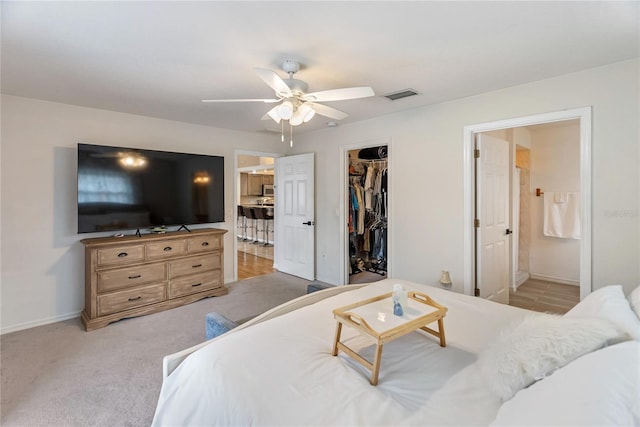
(562, 219)
(561, 196)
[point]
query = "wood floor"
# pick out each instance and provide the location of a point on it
(251, 265)
(549, 297)
(254, 260)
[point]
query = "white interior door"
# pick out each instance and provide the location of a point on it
(492, 211)
(295, 215)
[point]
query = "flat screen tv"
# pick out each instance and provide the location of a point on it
(127, 189)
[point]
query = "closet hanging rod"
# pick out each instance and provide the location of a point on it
(369, 161)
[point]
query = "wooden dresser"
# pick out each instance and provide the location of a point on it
(132, 276)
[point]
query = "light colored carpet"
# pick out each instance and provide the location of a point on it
(60, 375)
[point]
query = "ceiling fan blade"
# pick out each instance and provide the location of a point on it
(272, 114)
(266, 101)
(339, 94)
(330, 112)
(274, 81)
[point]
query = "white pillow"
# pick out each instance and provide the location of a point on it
(634, 301)
(600, 388)
(609, 303)
(537, 346)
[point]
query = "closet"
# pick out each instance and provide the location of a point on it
(367, 201)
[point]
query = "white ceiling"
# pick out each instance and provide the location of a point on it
(160, 59)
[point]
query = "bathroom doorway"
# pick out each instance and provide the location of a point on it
(581, 156)
(545, 246)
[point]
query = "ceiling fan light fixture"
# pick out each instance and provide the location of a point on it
(298, 117)
(307, 112)
(285, 110)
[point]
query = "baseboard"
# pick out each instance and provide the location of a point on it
(559, 280)
(41, 322)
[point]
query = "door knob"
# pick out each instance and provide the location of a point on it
(508, 231)
(308, 223)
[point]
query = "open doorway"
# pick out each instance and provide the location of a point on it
(473, 259)
(544, 188)
(366, 213)
(255, 207)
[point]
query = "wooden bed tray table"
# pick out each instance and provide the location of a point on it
(374, 318)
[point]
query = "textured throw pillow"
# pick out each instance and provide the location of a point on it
(536, 347)
(599, 389)
(609, 303)
(634, 301)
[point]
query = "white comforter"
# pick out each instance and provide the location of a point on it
(281, 372)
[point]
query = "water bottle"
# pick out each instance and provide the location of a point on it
(399, 298)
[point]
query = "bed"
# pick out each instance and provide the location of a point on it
(501, 365)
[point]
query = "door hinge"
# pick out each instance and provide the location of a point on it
(476, 223)
(476, 153)
(476, 292)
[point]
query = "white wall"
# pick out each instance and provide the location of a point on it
(555, 166)
(42, 258)
(522, 137)
(426, 174)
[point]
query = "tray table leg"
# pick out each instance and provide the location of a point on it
(337, 340)
(376, 364)
(443, 342)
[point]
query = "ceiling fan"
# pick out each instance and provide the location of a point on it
(294, 103)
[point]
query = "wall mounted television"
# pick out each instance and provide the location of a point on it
(123, 188)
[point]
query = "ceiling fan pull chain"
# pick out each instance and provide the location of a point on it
(291, 140)
(282, 130)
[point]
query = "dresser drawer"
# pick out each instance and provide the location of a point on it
(130, 298)
(168, 248)
(196, 283)
(204, 244)
(194, 265)
(118, 278)
(120, 256)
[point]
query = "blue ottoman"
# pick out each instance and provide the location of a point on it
(317, 286)
(217, 324)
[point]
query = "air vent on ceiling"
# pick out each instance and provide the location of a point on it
(401, 94)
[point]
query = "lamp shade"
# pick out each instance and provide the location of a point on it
(285, 110)
(445, 279)
(297, 117)
(307, 112)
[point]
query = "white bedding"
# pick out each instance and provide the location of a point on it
(281, 371)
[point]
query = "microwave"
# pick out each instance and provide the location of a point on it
(267, 189)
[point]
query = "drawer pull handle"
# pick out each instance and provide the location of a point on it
(196, 266)
(167, 249)
(137, 276)
(135, 299)
(122, 254)
(197, 284)
(205, 243)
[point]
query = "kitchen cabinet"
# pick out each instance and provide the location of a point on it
(255, 185)
(244, 184)
(251, 184)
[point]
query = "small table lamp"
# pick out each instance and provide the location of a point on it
(445, 280)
